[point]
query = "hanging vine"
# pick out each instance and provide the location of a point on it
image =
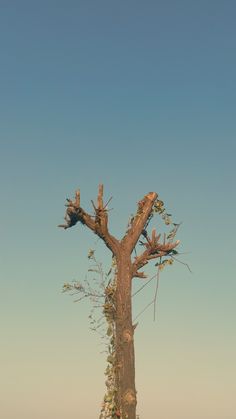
(102, 296)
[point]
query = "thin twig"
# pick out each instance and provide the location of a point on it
(155, 296)
(157, 275)
(81, 298)
(109, 200)
(177, 260)
(146, 283)
(143, 310)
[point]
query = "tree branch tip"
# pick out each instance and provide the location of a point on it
(140, 275)
(62, 226)
(100, 189)
(109, 200)
(100, 196)
(152, 195)
(94, 207)
(153, 234)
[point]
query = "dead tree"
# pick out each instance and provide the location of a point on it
(127, 269)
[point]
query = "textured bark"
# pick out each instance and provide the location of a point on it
(126, 269)
(125, 362)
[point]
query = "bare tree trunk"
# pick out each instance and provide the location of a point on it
(125, 362)
(126, 270)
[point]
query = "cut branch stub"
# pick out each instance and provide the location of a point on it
(101, 218)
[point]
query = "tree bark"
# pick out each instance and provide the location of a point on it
(126, 270)
(125, 361)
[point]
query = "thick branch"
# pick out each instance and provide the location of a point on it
(154, 250)
(99, 225)
(139, 221)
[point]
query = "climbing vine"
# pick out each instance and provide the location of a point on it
(102, 296)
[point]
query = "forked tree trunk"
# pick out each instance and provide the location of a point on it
(124, 342)
(126, 270)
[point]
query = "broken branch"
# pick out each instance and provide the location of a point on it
(74, 214)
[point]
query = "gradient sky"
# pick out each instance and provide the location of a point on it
(139, 95)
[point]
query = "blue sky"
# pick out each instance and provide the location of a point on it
(140, 96)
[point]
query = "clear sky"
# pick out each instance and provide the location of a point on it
(139, 95)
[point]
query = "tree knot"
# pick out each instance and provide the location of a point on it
(127, 336)
(129, 397)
